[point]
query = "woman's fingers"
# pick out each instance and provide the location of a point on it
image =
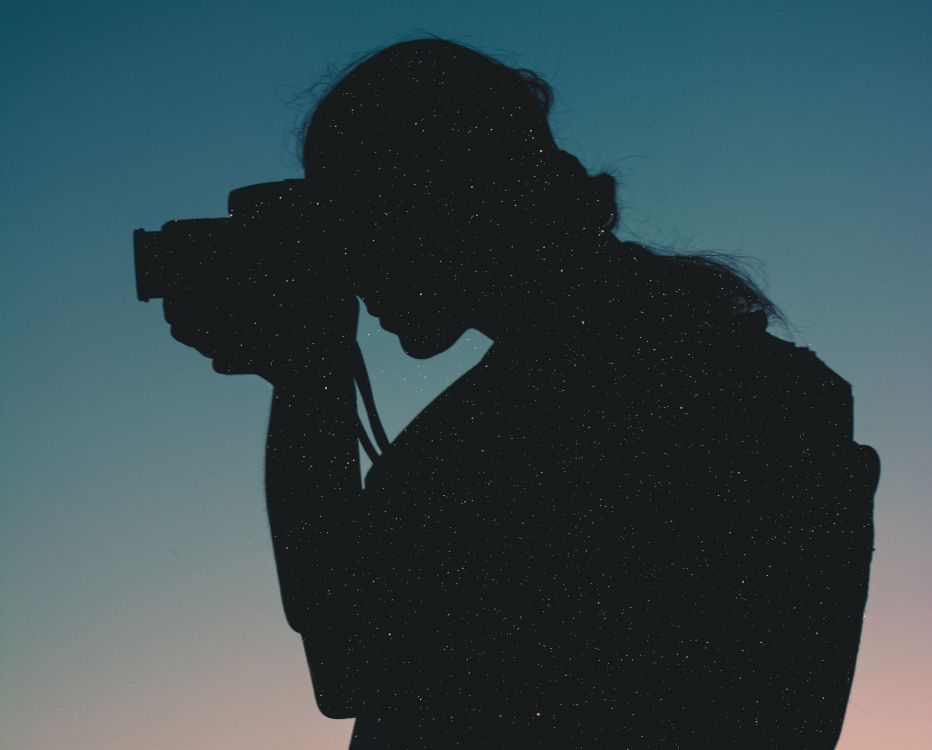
(172, 309)
(193, 324)
(260, 333)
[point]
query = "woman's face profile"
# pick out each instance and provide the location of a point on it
(426, 148)
(413, 263)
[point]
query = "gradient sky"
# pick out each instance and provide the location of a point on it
(138, 598)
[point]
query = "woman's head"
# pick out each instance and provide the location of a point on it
(445, 179)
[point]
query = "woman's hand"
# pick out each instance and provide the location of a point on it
(250, 317)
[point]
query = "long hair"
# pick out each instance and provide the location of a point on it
(443, 110)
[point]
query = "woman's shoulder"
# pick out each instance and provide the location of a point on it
(516, 403)
(445, 427)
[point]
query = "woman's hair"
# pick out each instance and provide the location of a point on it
(441, 114)
(432, 108)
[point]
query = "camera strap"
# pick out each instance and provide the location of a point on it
(361, 376)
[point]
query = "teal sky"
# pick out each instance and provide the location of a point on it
(138, 599)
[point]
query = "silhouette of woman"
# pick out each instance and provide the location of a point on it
(639, 521)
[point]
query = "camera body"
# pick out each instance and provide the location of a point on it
(274, 232)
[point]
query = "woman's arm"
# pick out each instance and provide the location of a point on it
(312, 480)
(301, 337)
(312, 490)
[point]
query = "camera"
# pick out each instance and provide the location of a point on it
(275, 237)
(274, 232)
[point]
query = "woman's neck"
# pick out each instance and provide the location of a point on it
(569, 299)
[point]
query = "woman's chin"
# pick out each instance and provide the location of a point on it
(424, 346)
